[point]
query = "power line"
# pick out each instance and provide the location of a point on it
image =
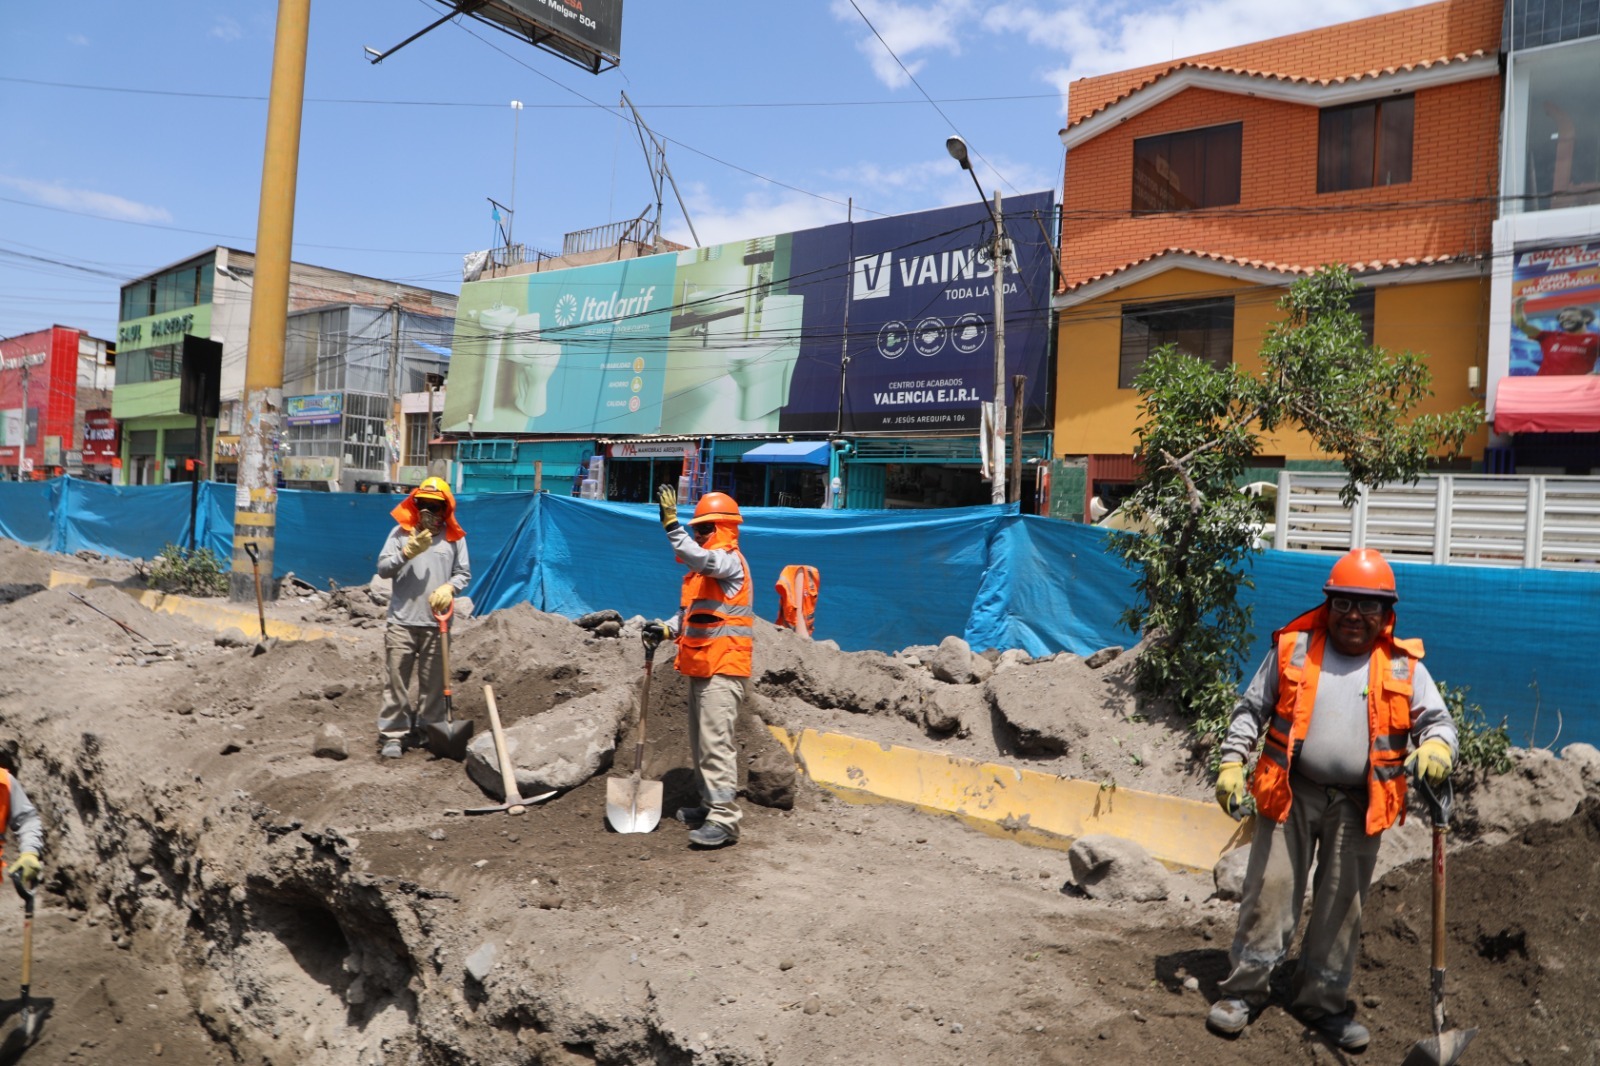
(925, 94)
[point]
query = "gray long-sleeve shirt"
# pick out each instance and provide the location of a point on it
(444, 562)
(725, 566)
(24, 826)
(1335, 751)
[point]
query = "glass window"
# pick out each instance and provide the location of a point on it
(1201, 328)
(1363, 304)
(1556, 127)
(1363, 145)
(1188, 170)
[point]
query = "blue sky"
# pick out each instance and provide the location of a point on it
(133, 133)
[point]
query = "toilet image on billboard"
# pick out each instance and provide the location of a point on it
(493, 322)
(529, 363)
(763, 367)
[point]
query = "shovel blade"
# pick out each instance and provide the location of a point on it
(633, 805)
(1442, 1050)
(448, 740)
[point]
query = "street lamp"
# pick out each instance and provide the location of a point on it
(997, 257)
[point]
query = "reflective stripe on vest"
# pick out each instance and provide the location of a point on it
(1300, 646)
(715, 631)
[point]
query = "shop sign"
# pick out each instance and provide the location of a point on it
(674, 449)
(168, 327)
(102, 436)
(311, 468)
(52, 451)
(315, 409)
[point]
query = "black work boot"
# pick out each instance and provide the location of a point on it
(693, 817)
(711, 835)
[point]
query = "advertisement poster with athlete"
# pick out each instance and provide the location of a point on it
(1555, 299)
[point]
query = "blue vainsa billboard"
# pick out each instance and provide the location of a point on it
(878, 326)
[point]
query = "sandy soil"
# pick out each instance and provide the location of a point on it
(216, 894)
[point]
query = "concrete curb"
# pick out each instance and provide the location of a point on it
(1023, 805)
(218, 616)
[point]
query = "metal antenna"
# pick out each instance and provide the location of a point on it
(659, 169)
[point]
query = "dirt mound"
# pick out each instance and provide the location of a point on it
(215, 891)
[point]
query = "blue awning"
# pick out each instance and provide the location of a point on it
(805, 453)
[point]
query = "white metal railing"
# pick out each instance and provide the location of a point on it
(1549, 523)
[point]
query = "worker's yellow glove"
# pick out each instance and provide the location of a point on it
(440, 598)
(1230, 787)
(419, 542)
(28, 866)
(1431, 761)
(667, 499)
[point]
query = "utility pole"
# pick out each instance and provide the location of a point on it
(22, 452)
(998, 450)
(1018, 383)
(255, 514)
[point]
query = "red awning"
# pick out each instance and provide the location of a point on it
(1548, 404)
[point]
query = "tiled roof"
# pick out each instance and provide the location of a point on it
(1291, 269)
(1293, 79)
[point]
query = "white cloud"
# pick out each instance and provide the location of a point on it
(78, 39)
(226, 29)
(87, 201)
(907, 29)
(756, 214)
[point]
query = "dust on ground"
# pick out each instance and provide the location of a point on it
(215, 893)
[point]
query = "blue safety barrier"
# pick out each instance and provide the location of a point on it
(890, 579)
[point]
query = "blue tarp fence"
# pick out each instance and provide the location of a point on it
(890, 579)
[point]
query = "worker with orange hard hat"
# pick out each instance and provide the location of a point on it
(713, 629)
(1336, 705)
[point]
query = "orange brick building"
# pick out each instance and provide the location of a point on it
(1197, 189)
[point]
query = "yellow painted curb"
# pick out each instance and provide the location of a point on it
(1025, 805)
(217, 616)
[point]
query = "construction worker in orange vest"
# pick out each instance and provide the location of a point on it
(1340, 700)
(19, 821)
(713, 629)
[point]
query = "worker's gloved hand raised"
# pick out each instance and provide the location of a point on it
(27, 866)
(440, 598)
(1230, 787)
(419, 541)
(667, 498)
(655, 633)
(1431, 761)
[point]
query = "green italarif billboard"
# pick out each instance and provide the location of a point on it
(638, 346)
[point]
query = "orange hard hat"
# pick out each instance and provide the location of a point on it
(716, 507)
(1362, 572)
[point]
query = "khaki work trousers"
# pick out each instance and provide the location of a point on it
(714, 704)
(1328, 826)
(408, 648)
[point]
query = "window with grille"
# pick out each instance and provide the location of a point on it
(1201, 328)
(1363, 145)
(1189, 170)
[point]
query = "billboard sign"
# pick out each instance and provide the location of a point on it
(1555, 300)
(102, 437)
(586, 32)
(316, 409)
(878, 326)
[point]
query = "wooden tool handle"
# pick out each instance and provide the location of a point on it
(1438, 897)
(508, 776)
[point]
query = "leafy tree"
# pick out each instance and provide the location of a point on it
(1201, 426)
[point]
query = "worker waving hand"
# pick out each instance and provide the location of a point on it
(713, 629)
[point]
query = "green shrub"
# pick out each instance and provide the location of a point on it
(193, 573)
(1482, 746)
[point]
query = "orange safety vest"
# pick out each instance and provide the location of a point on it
(5, 811)
(715, 631)
(797, 598)
(1300, 645)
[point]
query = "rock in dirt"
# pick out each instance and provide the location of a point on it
(954, 709)
(232, 638)
(1549, 790)
(955, 663)
(770, 781)
(1103, 656)
(1111, 868)
(330, 743)
(1228, 874)
(559, 749)
(1586, 757)
(480, 962)
(1046, 705)
(594, 619)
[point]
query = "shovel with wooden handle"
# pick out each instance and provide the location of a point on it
(30, 1016)
(447, 739)
(633, 805)
(514, 803)
(1445, 1046)
(265, 644)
